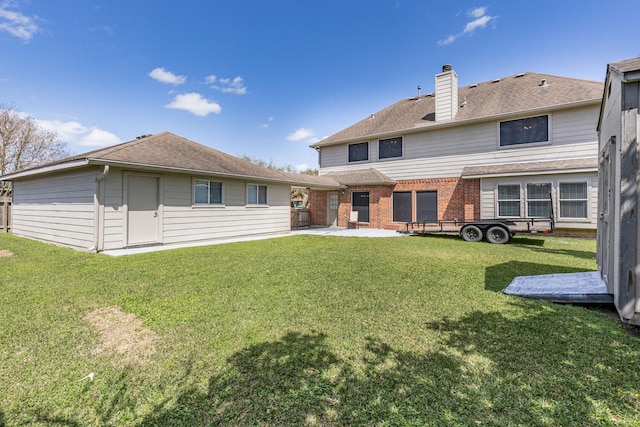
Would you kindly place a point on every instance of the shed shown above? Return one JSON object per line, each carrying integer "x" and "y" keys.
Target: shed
{"x": 154, "y": 190}
{"x": 618, "y": 202}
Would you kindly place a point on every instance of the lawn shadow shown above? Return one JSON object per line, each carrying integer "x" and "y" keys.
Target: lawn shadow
{"x": 486, "y": 368}
{"x": 537, "y": 245}
{"x": 498, "y": 277}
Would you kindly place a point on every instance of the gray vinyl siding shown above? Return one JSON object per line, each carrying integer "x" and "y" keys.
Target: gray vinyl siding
{"x": 184, "y": 222}
{"x": 489, "y": 203}
{"x": 113, "y": 217}
{"x": 56, "y": 208}
{"x": 445, "y": 152}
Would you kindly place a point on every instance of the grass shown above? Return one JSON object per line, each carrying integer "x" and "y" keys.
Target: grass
{"x": 308, "y": 330}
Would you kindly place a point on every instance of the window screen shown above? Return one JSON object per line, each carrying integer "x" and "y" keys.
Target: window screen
{"x": 524, "y": 131}
{"x": 427, "y": 206}
{"x": 359, "y": 152}
{"x": 402, "y": 206}
{"x": 389, "y": 148}
{"x": 360, "y": 204}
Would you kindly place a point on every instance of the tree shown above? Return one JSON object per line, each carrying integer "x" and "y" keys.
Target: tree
{"x": 296, "y": 192}
{"x": 24, "y": 143}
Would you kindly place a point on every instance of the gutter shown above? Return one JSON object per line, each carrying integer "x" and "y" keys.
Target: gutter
{"x": 158, "y": 168}
{"x": 455, "y": 123}
{"x": 46, "y": 169}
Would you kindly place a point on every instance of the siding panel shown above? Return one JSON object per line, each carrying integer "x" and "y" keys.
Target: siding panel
{"x": 56, "y": 208}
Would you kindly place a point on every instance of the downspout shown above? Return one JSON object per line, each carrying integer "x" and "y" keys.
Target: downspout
{"x": 97, "y": 196}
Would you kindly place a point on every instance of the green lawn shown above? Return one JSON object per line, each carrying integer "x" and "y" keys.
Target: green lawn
{"x": 307, "y": 330}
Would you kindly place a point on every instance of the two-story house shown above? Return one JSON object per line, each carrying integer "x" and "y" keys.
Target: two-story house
{"x": 522, "y": 146}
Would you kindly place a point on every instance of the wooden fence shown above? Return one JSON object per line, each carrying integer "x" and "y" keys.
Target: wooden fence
{"x": 5, "y": 206}
{"x": 300, "y": 218}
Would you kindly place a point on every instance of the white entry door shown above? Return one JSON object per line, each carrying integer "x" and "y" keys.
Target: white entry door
{"x": 142, "y": 214}
{"x": 332, "y": 209}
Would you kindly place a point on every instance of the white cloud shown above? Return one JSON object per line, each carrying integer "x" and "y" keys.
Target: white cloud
{"x": 479, "y": 20}
{"x": 302, "y": 134}
{"x": 301, "y": 167}
{"x": 76, "y": 134}
{"x": 266, "y": 125}
{"x": 17, "y": 24}
{"x": 477, "y": 12}
{"x": 164, "y": 76}
{"x": 195, "y": 104}
{"x": 226, "y": 85}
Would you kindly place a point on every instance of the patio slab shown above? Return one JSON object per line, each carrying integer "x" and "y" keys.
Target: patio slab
{"x": 321, "y": 231}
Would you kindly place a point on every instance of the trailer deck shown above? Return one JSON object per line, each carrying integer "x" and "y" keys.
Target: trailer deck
{"x": 499, "y": 230}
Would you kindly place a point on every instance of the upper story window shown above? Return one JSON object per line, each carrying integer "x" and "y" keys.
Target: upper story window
{"x": 390, "y": 148}
{"x": 207, "y": 192}
{"x": 359, "y": 152}
{"x": 256, "y": 194}
{"x": 524, "y": 131}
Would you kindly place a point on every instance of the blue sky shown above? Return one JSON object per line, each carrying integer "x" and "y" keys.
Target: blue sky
{"x": 266, "y": 78}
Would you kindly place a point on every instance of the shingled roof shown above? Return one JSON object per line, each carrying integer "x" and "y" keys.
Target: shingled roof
{"x": 508, "y": 96}
{"x": 169, "y": 152}
{"x": 627, "y": 65}
{"x": 587, "y": 164}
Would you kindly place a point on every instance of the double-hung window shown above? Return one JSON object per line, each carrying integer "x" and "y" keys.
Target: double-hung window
{"x": 390, "y": 148}
{"x": 207, "y": 192}
{"x": 539, "y": 200}
{"x": 256, "y": 194}
{"x": 573, "y": 200}
{"x": 509, "y": 200}
{"x": 524, "y": 131}
{"x": 359, "y": 152}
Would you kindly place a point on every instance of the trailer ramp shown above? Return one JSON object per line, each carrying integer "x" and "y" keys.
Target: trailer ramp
{"x": 585, "y": 287}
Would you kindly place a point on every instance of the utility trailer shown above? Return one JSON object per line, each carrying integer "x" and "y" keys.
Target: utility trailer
{"x": 498, "y": 231}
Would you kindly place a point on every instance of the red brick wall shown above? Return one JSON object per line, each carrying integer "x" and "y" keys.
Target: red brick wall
{"x": 457, "y": 199}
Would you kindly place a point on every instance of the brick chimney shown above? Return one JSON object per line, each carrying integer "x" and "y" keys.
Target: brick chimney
{"x": 446, "y": 94}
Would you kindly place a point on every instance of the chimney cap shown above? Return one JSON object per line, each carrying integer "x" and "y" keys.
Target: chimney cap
{"x": 446, "y": 67}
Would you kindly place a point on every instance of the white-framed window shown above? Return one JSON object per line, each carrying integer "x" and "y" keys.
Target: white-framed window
{"x": 390, "y": 148}
{"x": 359, "y": 152}
{"x": 509, "y": 200}
{"x": 207, "y": 192}
{"x": 539, "y": 200}
{"x": 573, "y": 200}
{"x": 256, "y": 194}
{"x": 529, "y": 130}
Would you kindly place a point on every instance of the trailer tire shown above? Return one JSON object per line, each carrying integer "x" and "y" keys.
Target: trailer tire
{"x": 471, "y": 233}
{"x": 498, "y": 235}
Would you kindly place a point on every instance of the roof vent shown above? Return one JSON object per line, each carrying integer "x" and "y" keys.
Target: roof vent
{"x": 495, "y": 81}
{"x": 473, "y": 85}
{"x": 543, "y": 83}
{"x": 144, "y": 136}
{"x": 520, "y": 75}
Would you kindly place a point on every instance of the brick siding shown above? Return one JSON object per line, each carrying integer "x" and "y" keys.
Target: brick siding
{"x": 457, "y": 199}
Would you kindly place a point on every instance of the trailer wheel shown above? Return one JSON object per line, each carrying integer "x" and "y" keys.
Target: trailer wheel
{"x": 471, "y": 233}
{"x": 497, "y": 235}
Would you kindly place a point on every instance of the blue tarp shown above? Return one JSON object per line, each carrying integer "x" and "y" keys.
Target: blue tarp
{"x": 567, "y": 287}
